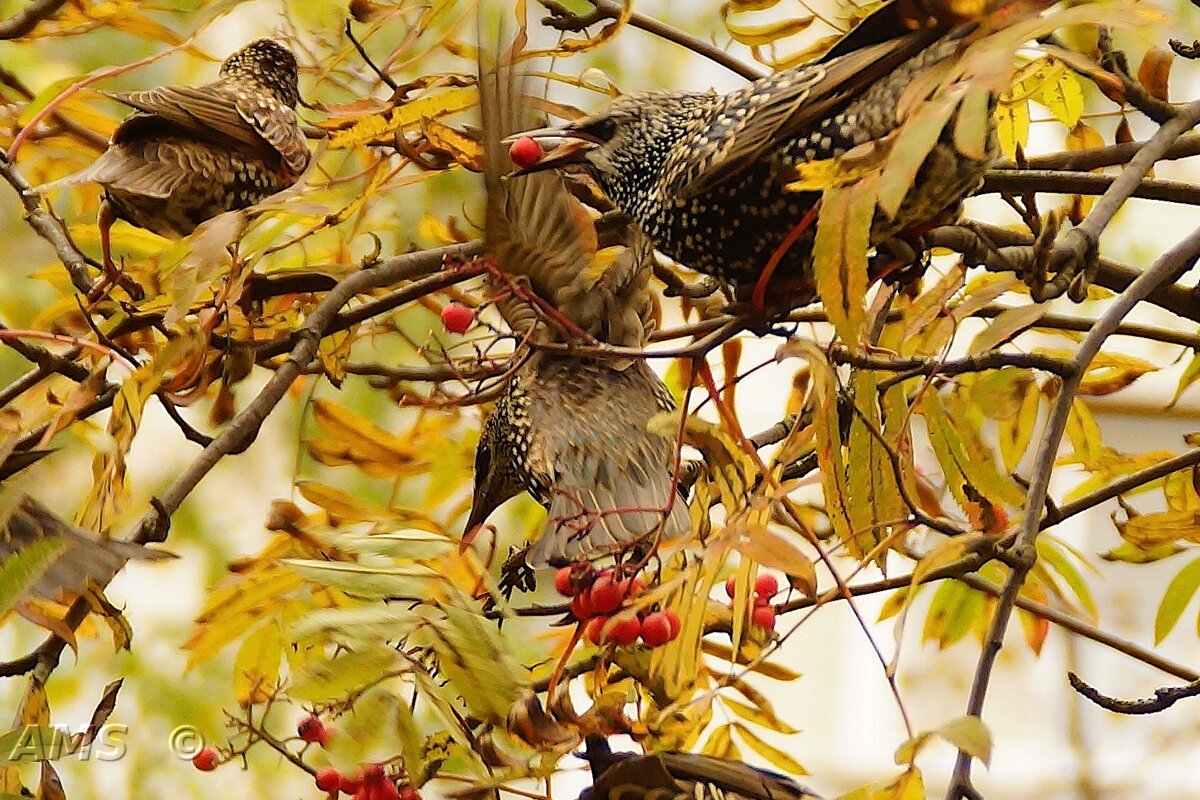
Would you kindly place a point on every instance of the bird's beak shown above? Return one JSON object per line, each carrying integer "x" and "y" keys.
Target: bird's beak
{"x": 565, "y": 145}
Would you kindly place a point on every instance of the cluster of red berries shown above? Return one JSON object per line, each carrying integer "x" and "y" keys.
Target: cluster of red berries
{"x": 597, "y": 599}
{"x": 765, "y": 587}
{"x": 371, "y": 784}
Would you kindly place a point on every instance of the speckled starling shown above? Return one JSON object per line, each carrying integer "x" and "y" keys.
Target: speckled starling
{"x": 676, "y": 776}
{"x": 191, "y": 153}
{"x": 572, "y": 431}
{"x": 705, "y": 174}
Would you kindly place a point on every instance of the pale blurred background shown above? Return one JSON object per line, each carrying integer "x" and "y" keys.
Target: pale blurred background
{"x": 1050, "y": 744}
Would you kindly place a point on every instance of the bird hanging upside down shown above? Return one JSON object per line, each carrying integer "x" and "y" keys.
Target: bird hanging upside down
{"x": 191, "y": 153}
{"x": 571, "y": 430}
{"x": 706, "y": 175}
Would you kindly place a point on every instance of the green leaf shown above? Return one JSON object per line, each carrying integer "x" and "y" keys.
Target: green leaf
{"x": 969, "y": 735}
{"x": 1179, "y": 593}
{"x": 24, "y": 567}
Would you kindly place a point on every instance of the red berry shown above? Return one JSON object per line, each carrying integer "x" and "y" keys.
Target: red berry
{"x": 409, "y": 793}
{"x": 731, "y": 586}
{"x": 766, "y": 585}
{"x": 593, "y": 629}
{"x": 656, "y": 629}
{"x": 350, "y": 784}
{"x": 676, "y": 623}
{"x": 632, "y": 587}
{"x": 605, "y": 595}
{"x": 311, "y": 729}
{"x": 457, "y": 318}
{"x": 329, "y": 779}
{"x": 764, "y": 617}
{"x": 207, "y": 759}
{"x": 562, "y": 582}
{"x": 581, "y": 606}
{"x": 525, "y": 152}
{"x": 624, "y": 630}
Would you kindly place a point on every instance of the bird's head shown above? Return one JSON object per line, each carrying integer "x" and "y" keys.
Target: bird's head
{"x": 622, "y": 147}
{"x": 267, "y": 63}
{"x": 495, "y": 476}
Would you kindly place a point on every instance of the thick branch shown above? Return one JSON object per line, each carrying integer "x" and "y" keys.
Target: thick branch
{"x": 1063, "y": 182}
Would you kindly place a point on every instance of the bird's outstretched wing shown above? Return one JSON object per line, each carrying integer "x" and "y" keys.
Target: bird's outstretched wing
{"x": 756, "y": 119}
{"x": 539, "y": 232}
{"x": 217, "y": 108}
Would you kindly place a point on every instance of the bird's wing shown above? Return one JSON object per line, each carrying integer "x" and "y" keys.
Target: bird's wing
{"x": 757, "y": 119}
{"x": 609, "y": 475}
{"x": 538, "y": 230}
{"x": 139, "y": 164}
{"x": 734, "y": 777}
{"x": 216, "y": 109}
{"x": 278, "y": 125}
{"x": 635, "y": 777}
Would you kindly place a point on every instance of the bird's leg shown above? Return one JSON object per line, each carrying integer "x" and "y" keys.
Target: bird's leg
{"x": 516, "y": 574}
{"x": 758, "y": 298}
{"x": 113, "y": 275}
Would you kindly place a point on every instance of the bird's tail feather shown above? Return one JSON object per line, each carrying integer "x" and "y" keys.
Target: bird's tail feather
{"x": 584, "y": 523}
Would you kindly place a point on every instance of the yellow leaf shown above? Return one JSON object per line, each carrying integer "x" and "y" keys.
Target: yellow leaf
{"x": 757, "y": 35}
{"x": 1012, "y": 124}
{"x": 774, "y": 756}
{"x": 353, "y": 439}
{"x": 1164, "y": 527}
{"x": 969, "y": 735}
{"x": 1062, "y": 94}
{"x": 256, "y": 668}
{"x": 1006, "y": 326}
{"x": 914, "y": 141}
{"x": 840, "y": 254}
{"x": 429, "y": 106}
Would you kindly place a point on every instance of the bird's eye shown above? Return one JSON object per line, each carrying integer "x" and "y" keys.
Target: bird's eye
{"x": 602, "y": 129}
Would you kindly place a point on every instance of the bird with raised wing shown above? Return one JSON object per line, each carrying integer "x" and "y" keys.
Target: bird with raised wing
{"x": 707, "y": 175}
{"x": 188, "y": 153}
{"x": 573, "y": 431}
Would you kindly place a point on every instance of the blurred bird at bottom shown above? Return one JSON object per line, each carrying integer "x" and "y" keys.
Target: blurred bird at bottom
{"x": 570, "y": 430}
{"x": 663, "y": 776}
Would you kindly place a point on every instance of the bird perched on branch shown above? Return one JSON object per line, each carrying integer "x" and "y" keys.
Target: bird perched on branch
{"x": 706, "y": 175}
{"x": 191, "y": 153}
{"x": 570, "y": 430}
{"x": 666, "y": 776}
